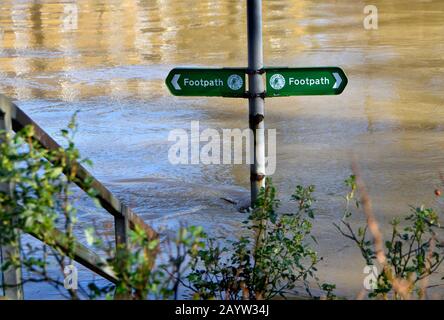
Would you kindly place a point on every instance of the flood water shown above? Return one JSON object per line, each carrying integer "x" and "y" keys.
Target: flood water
{"x": 109, "y": 59}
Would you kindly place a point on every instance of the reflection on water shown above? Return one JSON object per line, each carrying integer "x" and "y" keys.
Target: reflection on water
{"x": 109, "y": 59}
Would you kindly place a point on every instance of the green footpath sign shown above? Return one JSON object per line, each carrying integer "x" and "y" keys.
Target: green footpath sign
{"x": 305, "y": 81}
{"x": 225, "y": 82}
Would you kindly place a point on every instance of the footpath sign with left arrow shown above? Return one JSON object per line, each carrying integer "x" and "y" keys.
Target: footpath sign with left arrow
{"x": 224, "y": 82}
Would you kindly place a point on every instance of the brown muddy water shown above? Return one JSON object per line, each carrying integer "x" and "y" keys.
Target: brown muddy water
{"x": 109, "y": 60}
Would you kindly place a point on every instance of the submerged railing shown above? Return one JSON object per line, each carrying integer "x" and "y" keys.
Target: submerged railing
{"x": 12, "y": 118}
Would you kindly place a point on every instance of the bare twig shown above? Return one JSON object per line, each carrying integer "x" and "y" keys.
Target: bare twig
{"x": 368, "y": 211}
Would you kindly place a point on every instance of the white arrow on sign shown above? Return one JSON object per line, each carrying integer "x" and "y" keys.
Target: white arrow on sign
{"x": 175, "y": 82}
{"x": 338, "y": 80}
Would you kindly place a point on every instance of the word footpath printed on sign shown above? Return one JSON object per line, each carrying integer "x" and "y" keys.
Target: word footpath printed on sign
{"x": 305, "y": 81}
{"x": 223, "y": 82}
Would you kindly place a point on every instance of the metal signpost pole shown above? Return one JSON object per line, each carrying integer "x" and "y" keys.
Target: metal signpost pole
{"x": 256, "y": 95}
{"x": 280, "y": 82}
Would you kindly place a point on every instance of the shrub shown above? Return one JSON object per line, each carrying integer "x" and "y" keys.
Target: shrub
{"x": 38, "y": 201}
{"x": 270, "y": 260}
{"x": 407, "y": 260}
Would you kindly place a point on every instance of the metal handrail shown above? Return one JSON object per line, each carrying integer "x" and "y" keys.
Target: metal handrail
{"x": 12, "y": 118}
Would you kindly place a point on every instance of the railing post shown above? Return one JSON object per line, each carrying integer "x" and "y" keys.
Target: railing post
{"x": 11, "y": 277}
{"x": 122, "y": 227}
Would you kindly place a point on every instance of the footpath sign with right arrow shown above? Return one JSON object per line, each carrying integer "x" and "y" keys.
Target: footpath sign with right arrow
{"x": 305, "y": 81}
